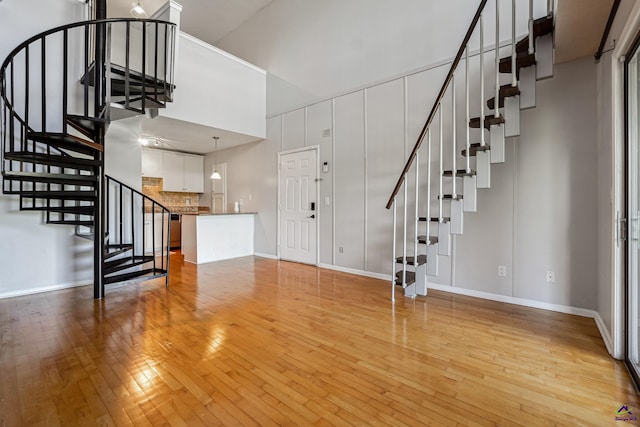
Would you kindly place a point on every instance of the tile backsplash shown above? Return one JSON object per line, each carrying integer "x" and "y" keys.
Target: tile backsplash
{"x": 176, "y": 202}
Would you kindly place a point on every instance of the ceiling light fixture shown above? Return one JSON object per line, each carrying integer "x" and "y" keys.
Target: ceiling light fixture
{"x": 143, "y": 141}
{"x": 215, "y": 174}
{"x": 138, "y": 12}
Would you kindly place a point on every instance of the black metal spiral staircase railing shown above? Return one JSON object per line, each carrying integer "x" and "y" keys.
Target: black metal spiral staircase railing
{"x": 59, "y": 91}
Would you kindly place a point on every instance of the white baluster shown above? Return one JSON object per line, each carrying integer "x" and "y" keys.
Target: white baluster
{"x": 531, "y": 41}
{"x": 482, "y": 116}
{"x": 393, "y": 269}
{"x": 497, "y": 103}
{"x": 467, "y": 112}
{"x": 417, "y": 215}
{"x": 514, "y": 54}
{"x": 453, "y": 131}
{"x": 404, "y": 237}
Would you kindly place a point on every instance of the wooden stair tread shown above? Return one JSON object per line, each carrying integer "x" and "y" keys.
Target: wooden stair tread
{"x": 475, "y": 148}
{"x": 410, "y": 278}
{"x": 86, "y": 125}
{"x": 60, "y": 195}
{"x": 68, "y": 162}
{"x": 434, "y": 219}
{"x": 506, "y": 91}
{"x": 523, "y": 60}
{"x": 489, "y": 120}
{"x": 459, "y": 173}
{"x": 51, "y": 178}
{"x": 146, "y": 274}
{"x": 423, "y": 240}
{"x": 66, "y": 142}
{"x": 411, "y": 260}
{"x": 450, "y": 197}
{"x": 541, "y": 27}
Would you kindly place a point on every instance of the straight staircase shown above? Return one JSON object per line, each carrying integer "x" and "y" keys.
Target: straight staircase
{"x": 59, "y": 93}
{"x": 460, "y": 149}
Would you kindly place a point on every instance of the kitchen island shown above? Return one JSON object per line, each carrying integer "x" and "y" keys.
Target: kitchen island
{"x": 216, "y": 237}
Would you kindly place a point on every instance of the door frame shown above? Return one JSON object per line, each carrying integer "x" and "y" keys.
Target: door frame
{"x": 315, "y": 148}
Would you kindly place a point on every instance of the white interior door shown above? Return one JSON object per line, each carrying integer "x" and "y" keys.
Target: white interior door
{"x": 298, "y": 213}
{"x": 219, "y": 190}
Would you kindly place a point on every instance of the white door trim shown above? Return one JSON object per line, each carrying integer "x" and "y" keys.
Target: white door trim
{"x": 315, "y": 148}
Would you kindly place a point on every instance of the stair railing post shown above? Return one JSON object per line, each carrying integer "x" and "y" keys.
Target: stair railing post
{"x": 440, "y": 192}
{"x": 404, "y": 237}
{"x": 531, "y": 45}
{"x": 497, "y": 103}
{"x": 393, "y": 266}
{"x": 99, "y": 103}
{"x": 514, "y": 54}
{"x": 454, "y": 134}
{"x": 417, "y": 213}
{"x": 467, "y": 111}
{"x": 428, "y": 240}
{"x": 482, "y": 116}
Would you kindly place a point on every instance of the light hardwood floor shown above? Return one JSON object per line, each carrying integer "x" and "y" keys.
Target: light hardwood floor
{"x": 259, "y": 342}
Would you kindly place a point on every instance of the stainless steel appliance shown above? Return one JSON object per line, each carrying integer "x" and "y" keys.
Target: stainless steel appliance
{"x": 176, "y": 231}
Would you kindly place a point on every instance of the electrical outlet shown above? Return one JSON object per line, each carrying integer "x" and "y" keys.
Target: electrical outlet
{"x": 502, "y": 271}
{"x": 326, "y": 201}
{"x": 550, "y": 276}
{"x": 340, "y": 249}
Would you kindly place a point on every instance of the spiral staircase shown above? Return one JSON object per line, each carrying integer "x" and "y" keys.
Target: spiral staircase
{"x": 60, "y": 90}
{"x": 494, "y": 82}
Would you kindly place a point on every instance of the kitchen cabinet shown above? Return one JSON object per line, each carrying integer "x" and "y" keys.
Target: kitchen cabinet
{"x": 182, "y": 172}
{"x": 152, "y": 163}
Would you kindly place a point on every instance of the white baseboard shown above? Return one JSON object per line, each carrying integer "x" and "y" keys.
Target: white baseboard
{"x": 263, "y": 255}
{"x": 604, "y": 333}
{"x": 33, "y": 291}
{"x": 517, "y": 301}
{"x": 356, "y": 272}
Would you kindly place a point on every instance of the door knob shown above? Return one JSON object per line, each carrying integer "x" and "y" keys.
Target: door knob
{"x": 312, "y": 216}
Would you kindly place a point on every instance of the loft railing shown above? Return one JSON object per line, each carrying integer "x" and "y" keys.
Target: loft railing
{"x": 39, "y": 79}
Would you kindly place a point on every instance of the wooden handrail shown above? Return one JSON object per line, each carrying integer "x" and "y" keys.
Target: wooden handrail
{"x": 434, "y": 110}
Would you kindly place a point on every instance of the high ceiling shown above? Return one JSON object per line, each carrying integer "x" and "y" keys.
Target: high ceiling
{"x": 208, "y": 20}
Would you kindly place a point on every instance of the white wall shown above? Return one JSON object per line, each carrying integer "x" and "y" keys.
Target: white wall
{"x": 215, "y": 89}
{"x": 35, "y": 256}
{"x": 540, "y": 214}
{"x": 317, "y": 49}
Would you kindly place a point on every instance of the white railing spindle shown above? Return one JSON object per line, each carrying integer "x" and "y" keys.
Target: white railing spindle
{"x": 417, "y": 213}
{"x": 429, "y": 188}
{"x": 441, "y": 195}
{"x": 404, "y": 237}
{"x": 482, "y": 116}
{"x": 497, "y": 103}
{"x": 454, "y": 133}
{"x": 514, "y": 54}
{"x": 531, "y": 46}
{"x": 393, "y": 267}
{"x": 467, "y": 112}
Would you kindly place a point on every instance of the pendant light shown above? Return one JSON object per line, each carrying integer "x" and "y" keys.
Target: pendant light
{"x": 138, "y": 12}
{"x": 215, "y": 174}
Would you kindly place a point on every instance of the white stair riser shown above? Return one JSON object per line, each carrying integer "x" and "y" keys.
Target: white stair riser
{"x": 421, "y": 279}
{"x": 544, "y": 57}
{"x": 432, "y": 260}
{"x": 497, "y": 144}
{"x": 470, "y": 193}
{"x": 444, "y": 239}
{"x": 410, "y": 291}
{"x": 483, "y": 166}
{"x": 528, "y": 87}
{"x": 512, "y": 116}
{"x": 457, "y": 217}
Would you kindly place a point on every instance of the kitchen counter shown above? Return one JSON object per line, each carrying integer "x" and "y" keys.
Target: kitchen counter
{"x": 216, "y": 237}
